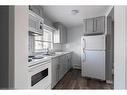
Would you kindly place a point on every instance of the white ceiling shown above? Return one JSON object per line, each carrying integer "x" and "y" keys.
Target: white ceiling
{"x": 63, "y": 13}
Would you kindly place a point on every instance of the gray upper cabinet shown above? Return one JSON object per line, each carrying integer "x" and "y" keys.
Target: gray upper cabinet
{"x": 94, "y": 26}
{"x": 89, "y": 26}
{"x": 64, "y": 35}
{"x": 100, "y": 24}
{"x": 60, "y": 36}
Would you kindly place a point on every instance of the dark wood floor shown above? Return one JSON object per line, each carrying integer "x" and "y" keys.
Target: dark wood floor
{"x": 73, "y": 80}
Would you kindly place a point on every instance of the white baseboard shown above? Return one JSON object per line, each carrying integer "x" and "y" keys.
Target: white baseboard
{"x": 77, "y": 67}
{"x": 109, "y": 81}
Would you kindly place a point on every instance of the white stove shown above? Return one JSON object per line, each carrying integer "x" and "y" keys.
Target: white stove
{"x": 40, "y": 75}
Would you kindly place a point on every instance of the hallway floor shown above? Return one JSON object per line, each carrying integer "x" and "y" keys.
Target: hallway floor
{"x": 73, "y": 80}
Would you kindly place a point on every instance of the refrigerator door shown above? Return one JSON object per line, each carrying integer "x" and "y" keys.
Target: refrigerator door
{"x": 93, "y": 64}
{"x": 93, "y": 42}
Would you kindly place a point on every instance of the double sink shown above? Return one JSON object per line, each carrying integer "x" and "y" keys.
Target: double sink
{"x": 41, "y": 58}
{"x": 31, "y": 58}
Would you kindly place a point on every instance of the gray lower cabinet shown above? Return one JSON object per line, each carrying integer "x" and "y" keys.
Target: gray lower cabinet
{"x": 64, "y": 64}
{"x": 61, "y": 69}
{"x": 94, "y": 26}
{"x": 60, "y": 66}
{"x": 69, "y": 64}
{"x": 55, "y": 71}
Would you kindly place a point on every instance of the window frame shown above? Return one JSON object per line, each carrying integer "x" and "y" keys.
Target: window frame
{"x": 49, "y": 29}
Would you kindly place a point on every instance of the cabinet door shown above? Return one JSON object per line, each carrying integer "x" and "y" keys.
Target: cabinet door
{"x": 61, "y": 67}
{"x": 65, "y": 63}
{"x": 94, "y": 25}
{"x": 89, "y": 26}
{"x": 55, "y": 71}
{"x": 53, "y": 74}
{"x": 63, "y": 35}
{"x": 56, "y": 36}
{"x": 70, "y": 57}
{"x": 100, "y": 24}
{"x": 68, "y": 62}
{"x": 60, "y": 36}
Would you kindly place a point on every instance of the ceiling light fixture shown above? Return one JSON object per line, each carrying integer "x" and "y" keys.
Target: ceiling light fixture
{"x": 74, "y": 12}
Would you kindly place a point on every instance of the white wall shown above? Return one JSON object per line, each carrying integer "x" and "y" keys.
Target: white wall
{"x": 119, "y": 47}
{"x": 74, "y": 43}
{"x": 126, "y": 48}
{"x": 21, "y": 47}
{"x": 57, "y": 47}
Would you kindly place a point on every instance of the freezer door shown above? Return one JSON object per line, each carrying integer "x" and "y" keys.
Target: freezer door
{"x": 93, "y": 42}
{"x": 93, "y": 64}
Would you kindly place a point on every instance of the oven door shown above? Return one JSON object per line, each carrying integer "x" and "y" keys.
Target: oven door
{"x": 40, "y": 76}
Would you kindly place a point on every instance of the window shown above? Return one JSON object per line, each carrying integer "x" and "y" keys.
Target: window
{"x": 38, "y": 43}
{"x": 47, "y": 39}
{"x": 43, "y": 42}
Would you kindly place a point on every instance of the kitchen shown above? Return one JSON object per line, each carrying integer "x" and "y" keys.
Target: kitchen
{"x": 57, "y": 39}
{"x": 65, "y": 47}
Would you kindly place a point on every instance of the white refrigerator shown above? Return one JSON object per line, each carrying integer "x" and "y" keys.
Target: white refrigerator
{"x": 93, "y": 56}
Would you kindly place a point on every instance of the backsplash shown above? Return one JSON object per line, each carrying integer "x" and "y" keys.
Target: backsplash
{"x": 31, "y": 44}
{"x": 57, "y": 47}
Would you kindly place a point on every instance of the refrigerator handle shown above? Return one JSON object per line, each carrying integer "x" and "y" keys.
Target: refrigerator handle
{"x": 84, "y": 56}
{"x": 83, "y": 50}
{"x": 84, "y": 41}
{"x": 84, "y": 45}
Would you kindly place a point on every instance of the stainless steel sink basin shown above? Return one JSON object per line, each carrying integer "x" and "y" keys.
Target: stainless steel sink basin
{"x": 38, "y": 57}
{"x": 34, "y": 57}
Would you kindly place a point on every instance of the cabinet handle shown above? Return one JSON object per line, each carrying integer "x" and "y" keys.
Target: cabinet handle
{"x": 84, "y": 41}
{"x": 96, "y": 26}
{"x": 84, "y": 46}
{"x": 83, "y": 50}
{"x": 86, "y": 26}
{"x": 93, "y": 25}
{"x": 84, "y": 56}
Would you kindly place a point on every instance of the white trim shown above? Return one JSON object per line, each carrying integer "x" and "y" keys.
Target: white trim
{"x": 108, "y": 11}
{"x": 119, "y": 47}
{"x": 49, "y": 27}
{"x": 35, "y": 15}
{"x": 109, "y": 81}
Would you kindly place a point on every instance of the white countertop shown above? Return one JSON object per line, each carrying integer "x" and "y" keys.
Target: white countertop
{"x": 46, "y": 58}
{"x": 59, "y": 54}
